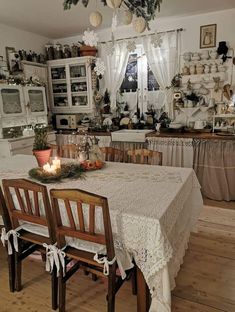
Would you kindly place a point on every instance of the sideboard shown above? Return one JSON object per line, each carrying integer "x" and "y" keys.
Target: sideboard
{"x": 21, "y": 145}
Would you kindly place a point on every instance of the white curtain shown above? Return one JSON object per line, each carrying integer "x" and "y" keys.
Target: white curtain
{"x": 115, "y": 59}
{"x": 164, "y": 62}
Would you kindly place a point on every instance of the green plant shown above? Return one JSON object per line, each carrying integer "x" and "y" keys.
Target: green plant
{"x": 40, "y": 140}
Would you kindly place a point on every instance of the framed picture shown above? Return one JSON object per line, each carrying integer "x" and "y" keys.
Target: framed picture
{"x": 208, "y": 36}
{"x": 13, "y": 60}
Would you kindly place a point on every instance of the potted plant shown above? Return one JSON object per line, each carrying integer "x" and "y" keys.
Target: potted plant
{"x": 41, "y": 149}
{"x": 86, "y": 50}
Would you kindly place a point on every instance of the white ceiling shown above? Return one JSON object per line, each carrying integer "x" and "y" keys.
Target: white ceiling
{"x": 47, "y": 17}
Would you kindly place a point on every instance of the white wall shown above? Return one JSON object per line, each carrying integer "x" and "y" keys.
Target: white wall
{"x": 20, "y": 39}
{"x": 225, "y": 21}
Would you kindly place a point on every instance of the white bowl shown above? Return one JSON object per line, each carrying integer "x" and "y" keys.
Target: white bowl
{"x": 175, "y": 125}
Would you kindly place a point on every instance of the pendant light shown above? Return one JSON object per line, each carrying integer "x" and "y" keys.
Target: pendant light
{"x": 95, "y": 19}
{"x": 114, "y": 4}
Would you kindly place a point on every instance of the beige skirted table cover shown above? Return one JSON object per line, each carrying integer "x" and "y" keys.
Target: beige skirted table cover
{"x": 214, "y": 164}
{"x": 153, "y": 209}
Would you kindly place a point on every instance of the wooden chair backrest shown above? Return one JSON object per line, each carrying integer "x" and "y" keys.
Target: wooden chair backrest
{"x": 112, "y": 154}
{"x": 144, "y": 156}
{"x": 68, "y": 151}
{"x": 78, "y": 230}
{"x": 28, "y": 204}
{"x": 4, "y": 212}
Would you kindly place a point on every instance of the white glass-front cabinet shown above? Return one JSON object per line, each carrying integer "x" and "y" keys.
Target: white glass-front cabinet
{"x": 29, "y": 103}
{"x": 12, "y": 101}
{"x": 70, "y": 85}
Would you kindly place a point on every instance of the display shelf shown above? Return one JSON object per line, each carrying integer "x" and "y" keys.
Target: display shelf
{"x": 54, "y": 81}
{"x": 224, "y": 116}
{"x": 204, "y": 78}
{"x": 221, "y": 116}
{"x": 189, "y": 112}
{"x": 77, "y": 72}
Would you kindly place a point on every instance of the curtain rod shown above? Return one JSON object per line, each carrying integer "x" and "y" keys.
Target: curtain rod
{"x": 135, "y": 37}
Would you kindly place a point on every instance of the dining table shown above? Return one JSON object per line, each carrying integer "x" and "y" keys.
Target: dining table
{"x": 153, "y": 210}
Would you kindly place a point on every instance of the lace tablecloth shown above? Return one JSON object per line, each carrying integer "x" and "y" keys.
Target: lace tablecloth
{"x": 152, "y": 208}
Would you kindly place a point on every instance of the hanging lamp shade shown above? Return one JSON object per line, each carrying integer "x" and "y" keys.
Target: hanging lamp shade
{"x": 114, "y": 4}
{"x": 95, "y": 19}
{"x": 139, "y": 24}
{"x": 127, "y": 17}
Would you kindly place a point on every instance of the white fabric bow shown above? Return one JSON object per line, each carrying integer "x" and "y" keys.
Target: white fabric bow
{"x": 104, "y": 261}
{"x": 5, "y": 236}
{"x": 54, "y": 256}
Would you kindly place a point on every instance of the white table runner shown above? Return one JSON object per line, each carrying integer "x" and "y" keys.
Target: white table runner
{"x": 152, "y": 208}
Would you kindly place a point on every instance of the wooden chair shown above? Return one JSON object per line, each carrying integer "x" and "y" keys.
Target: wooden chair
{"x": 29, "y": 202}
{"x": 68, "y": 151}
{"x": 112, "y": 154}
{"x": 8, "y": 227}
{"x": 85, "y": 260}
{"x": 144, "y": 156}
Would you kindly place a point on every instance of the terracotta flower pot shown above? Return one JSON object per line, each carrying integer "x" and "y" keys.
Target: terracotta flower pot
{"x": 42, "y": 157}
{"x": 87, "y": 51}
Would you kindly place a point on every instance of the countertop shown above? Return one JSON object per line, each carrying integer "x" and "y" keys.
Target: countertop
{"x": 194, "y": 135}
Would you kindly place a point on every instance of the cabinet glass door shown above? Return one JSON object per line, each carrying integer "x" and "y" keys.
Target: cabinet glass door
{"x": 36, "y": 101}
{"x": 11, "y": 101}
{"x": 58, "y": 73}
{"x": 59, "y": 86}
{"x": 77, "y": 71}
{"x": 79, "y": 100}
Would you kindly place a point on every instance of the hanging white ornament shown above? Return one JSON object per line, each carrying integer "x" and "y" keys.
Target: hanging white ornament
{"x": 99, "y": 67}
{"x": 114, "y": 4}
{"x": 95, "y": 19}
{"x": 90, "y": 38}
{"x": 127, "y": 17}
{"x": 139, "y": 24}
{"x": 156, "y": 41}
{"x": 131, "y": 46}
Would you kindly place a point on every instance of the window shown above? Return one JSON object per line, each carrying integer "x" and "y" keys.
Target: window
{"x": 138, "y": 74}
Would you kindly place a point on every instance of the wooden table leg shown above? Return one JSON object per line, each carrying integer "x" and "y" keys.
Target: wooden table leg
{"x": 143, "y": 294}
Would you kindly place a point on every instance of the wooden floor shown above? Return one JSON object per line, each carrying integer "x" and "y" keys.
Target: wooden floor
{"x": 206, "y": 282}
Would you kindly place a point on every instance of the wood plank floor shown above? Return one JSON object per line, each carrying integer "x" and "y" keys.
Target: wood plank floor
{"x": 205, "y": 283}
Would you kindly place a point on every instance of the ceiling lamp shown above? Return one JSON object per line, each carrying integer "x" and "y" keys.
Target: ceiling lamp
{"x": 139, "y": 24}
{"x": 127, "y": 17}
{"x": 142, "y": 9}
{"x": 114, "y": 4}
{"x": 95, "y": 19}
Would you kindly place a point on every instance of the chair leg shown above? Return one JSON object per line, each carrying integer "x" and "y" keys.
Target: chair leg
{"x": 94, "y": 277}
{"x": 43, "y": 256}
{"x": 111, "y": 288}
{"x": 62, "y": 294}
{"x": 54, "y": 289}
{"x": 18, "y": 271}
{"x": 134, "y": 281}
{"x": 11, "y": 268}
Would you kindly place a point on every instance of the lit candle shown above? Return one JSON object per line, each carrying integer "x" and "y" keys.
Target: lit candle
{"x": 56, "y": 163}
{"x": 46, "y": 167}
{"x": 49, "y": 169}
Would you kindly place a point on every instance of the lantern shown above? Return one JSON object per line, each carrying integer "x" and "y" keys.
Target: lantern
{"x": 96, "y": 19}
{"x": 114, "y": 4}
{"x": 139, "y": 24}
{"x": 127, "y": 17}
